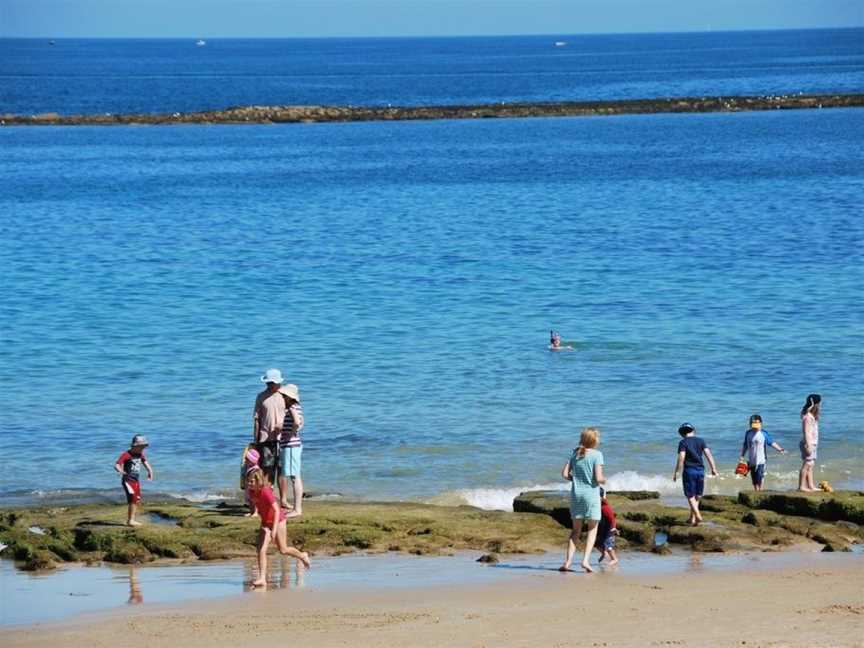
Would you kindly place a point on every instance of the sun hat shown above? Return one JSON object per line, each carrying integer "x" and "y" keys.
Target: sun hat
{"x": 272, "y": 376}
{"x": 252, "y": 459}
{"x": 291, "y": 391}
{"x": 139, "y": 441}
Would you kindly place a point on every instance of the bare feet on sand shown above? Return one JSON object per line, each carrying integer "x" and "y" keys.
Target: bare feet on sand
{"x": 587, "y": 568}
{"x": 292, "y": 513}
{"x": 304, "y": 558}
{"x": 133, "y": 523}
{"x": 261, "y": 582}
{"x": 565, "y": 568}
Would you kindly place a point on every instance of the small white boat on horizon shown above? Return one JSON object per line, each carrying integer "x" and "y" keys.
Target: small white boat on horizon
{"x": 200, "y": 43}
{"x": 560, "y": 43}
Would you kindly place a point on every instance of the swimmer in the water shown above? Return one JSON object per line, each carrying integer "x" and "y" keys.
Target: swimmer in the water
{"x": 555, "y": 342}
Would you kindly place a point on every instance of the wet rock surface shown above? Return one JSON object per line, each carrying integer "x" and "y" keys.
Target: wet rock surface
{"x": 767, "y": 521}
{"x": 96, "y": 532}
{"x": 315, "y": 114}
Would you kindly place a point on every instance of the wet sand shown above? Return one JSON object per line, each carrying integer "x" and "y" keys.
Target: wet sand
{"x": 812, "y": 601}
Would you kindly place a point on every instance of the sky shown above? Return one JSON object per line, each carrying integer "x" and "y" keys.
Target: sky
{"x": 376, "y": 18}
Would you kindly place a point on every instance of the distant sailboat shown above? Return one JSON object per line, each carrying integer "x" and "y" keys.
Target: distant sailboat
{"x": 200, "y": 43}
{"x": 560, "y": 43}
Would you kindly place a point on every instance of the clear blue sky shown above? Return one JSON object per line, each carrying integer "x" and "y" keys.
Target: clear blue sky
{"x": 310, "y": 18}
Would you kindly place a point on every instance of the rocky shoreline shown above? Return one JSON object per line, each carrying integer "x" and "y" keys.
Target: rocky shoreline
{"x": 40, "y": 538}
{"x": 765, "y": 521}
{"x": 316, "y": 114}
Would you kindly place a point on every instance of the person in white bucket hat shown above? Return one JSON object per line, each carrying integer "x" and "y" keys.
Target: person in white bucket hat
{"x": 267, "y": 419}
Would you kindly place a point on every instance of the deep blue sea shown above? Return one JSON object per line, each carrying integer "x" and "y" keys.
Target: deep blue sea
{"x": 406, "y": 275}
{"x": 97, "y": 76}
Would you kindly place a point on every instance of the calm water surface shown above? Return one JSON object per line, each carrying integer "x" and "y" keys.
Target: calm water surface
{"x": 406, "y": 276}
{"x": 96, "y": 76}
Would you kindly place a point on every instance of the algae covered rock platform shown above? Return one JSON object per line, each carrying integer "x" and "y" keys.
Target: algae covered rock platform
{"x": 766, "y": 521}
{"x": 42, "y": 537}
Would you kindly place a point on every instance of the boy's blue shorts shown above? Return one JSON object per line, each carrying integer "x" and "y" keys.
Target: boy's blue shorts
{"x": 757, "y": 474}
{"x": 290, "y": 461}
{"x": 693, "y": 480}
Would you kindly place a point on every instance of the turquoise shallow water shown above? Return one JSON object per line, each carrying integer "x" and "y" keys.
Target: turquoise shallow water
{"x": 406, "y": 276}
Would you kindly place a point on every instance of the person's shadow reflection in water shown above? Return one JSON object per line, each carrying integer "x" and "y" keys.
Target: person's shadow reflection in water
{"x": 285, "y": 573}
{"x": 280, "y": 579}
{"x": 135, "y": 596}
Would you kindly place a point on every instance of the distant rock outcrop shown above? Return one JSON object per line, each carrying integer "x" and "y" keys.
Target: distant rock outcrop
{"x": 313, "y": 114}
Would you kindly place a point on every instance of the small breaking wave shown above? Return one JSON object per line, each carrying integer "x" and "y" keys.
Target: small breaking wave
{"x": 490, "y": 499}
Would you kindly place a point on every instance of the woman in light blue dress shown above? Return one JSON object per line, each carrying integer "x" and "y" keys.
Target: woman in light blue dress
{"x": 584, "y": 471}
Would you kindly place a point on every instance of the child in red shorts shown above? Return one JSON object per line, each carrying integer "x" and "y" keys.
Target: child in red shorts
{"x": 272, "y": 523}
{"x": 129, "y": 466}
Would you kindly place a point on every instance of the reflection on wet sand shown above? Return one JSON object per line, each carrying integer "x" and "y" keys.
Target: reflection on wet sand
{"x": 279, "y": 576}
{"x": 135, "y": 596}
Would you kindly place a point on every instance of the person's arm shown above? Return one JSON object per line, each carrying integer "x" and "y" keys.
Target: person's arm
{"x": 744, "y": 447}
{"x": 774, "y": 444}
{"x": 298, "y": 420}
{"x": 679, "y": 465}
{"x": 118, "y": 465}
{"x": 711, "y": 463}
{"x": 599, "y": 477}
{"x": 255, "y": 425}
{"x": 565, "y": 472}
{"x": 149, "y": 468}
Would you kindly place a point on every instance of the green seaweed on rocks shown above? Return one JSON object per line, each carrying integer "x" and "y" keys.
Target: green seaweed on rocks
{"x": 743, "y": 523}
{"x": 96, "y": 532}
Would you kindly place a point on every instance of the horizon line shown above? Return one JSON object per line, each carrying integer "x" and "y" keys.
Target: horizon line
{"x": 501, "y": 35}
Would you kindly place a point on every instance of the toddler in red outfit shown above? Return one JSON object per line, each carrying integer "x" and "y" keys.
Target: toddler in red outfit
{"x": 607, "y": 530}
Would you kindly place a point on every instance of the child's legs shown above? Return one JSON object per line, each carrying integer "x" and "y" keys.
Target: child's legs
{"x": 589, "y": 541}
{"x": 613, "y": 557}
{"x": 263, "y": 544}
{"x": 286, "y": 549}
{"x": 298, "y": 493}
{"x": 283, "y": 490}
{"x": 757, "y": 476}
{"x": 130, "y": 512}
{"x": 810, "y": 466}
{"x": 293, "y": 460}
{"x": 693, "y": 503}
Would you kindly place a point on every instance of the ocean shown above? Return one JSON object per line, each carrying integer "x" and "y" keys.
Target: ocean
{"x": 406, "y": 275}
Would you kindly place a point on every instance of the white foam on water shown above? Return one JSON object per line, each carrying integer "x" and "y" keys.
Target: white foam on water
{"x": 491, "y": 499}
{"x": 630, "y": 480}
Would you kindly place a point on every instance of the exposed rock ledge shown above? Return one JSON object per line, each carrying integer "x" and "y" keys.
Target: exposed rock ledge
{"x": 766, "y": 521}
{"x": 310, "y": 114}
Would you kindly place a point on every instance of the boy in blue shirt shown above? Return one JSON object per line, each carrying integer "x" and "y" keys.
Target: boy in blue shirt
{"x": 756, "y": 441}
{"x": 690, "y": 451}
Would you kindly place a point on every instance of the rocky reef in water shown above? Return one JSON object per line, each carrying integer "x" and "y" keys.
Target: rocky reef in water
{"x": 313, "y": 114}
{"x": 765, "y": 521}
{"x": 40, "y": 538}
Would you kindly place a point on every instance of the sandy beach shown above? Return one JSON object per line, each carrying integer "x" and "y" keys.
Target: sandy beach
{"x": 811, "y": 603}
